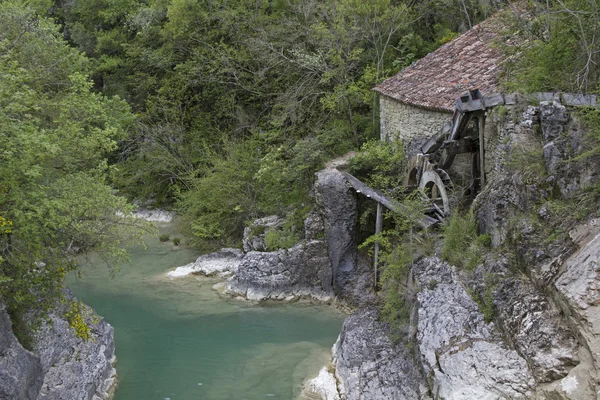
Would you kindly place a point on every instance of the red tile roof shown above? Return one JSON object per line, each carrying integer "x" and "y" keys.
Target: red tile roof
{"x": 438, "y": 79}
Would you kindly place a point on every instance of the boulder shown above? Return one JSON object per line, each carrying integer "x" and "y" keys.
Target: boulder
{"x": 221, "y": 263}
{"x": 287, "y": 274}
{"x": 339, "y": 212}
{"x": 322, "y": 387}
{"x": 154, "y": 215}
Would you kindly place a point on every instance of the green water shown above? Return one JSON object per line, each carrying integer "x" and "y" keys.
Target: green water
{"x": 178, "y": 339}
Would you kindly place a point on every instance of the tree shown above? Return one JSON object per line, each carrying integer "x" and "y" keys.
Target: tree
{"x": 54, "y": 139}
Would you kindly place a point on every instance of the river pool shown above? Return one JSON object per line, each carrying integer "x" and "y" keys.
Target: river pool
{"x": 178, "y": 340}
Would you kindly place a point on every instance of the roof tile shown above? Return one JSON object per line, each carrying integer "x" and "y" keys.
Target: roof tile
{"x": 438, "y": 79}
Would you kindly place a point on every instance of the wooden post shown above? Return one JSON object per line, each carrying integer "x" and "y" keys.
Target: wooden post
{"x": 482, "y": 151}
{"x": 378, "y": 227}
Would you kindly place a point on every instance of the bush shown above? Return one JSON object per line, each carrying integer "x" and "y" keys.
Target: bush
{"x": 559, "y": 51}
{"x": 176, "y": 241}
{"x": 277, "y": 239}
{"x": 462, "y": 245}
{"x": 164, "y": 238}
{"x": 380, "y": 164}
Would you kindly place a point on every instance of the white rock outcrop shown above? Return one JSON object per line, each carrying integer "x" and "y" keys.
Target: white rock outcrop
{"x": 154, "y": 215}
{"x": 322, "y": 387}
{"x": 460, "y": 351}
{"x": 221, "y": 263}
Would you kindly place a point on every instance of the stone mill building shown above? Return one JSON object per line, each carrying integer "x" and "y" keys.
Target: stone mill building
{"x": 416, "y": 102}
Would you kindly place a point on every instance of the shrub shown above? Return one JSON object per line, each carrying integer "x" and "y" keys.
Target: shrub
{"x": 277, "y": 239}
{"x": 379, "y": 164}
{"x": 462, "y": 245}
{"x": 176, "y": 241}
{"x": 164, "y": 238}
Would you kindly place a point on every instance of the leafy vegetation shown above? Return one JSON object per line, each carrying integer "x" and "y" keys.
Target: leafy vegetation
{"x": 463, "y": 246}
{"x": 528, "y": 162}
{"x": 559, "y": 47}
{"x": 240, "y": 102}
{"x": 380, "y": 165}
{"x": 55, "y": 137}
{"x": 399, "y": 247}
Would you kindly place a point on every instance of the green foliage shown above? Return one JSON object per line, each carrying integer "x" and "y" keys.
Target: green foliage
{"x": 55, "y": 138}
{"x": 486, "y": 302}
{"x": 379, "y": 164}
{"x": 559, "y": 51}
{"x": 399, "y": 246}
{"x": 290, "y": 233}
{"x": 528, "y": 162}
{"x": 223, "y": 198}
{"x": 590, "y": 118}
{"x": 77, "y": 316}
{"x": 164, "y": 237}
{"x": 176, "y": 241}
{"x": 463, "y": 246}
{"x": 433, "y": 284}
{"x": 279, "y": 239}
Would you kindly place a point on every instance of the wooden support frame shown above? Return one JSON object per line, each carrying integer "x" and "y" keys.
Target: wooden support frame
{"x": 481, "y": 130}
{"x": 378, "y": 228}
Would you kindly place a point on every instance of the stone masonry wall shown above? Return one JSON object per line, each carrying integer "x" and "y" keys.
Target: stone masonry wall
{"x": 401, "y": 121}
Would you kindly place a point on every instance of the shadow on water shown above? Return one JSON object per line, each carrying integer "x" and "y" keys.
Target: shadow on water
{"x": 178, "y": 339}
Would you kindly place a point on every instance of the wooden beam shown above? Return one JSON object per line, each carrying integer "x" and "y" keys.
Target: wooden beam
{"x": 482, "y": 151}
{"x": 424, "y": 220}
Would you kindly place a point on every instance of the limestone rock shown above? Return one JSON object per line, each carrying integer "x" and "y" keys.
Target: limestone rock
{"x": 254, "y": 235}
{"x": 314, "y": 226}
{"x": 536, "y": 329}
{"x": 369, "y": 367}
{"x": 222, "y": 263}
{"x": 154, "y": 215}
{"x": 462, "y": 354}
{"x": 578, "y": 284}
{"x": 339, "y": 212}
{"x": 322, "y": 387}
{"x": 290, "y": 274}
{"x": 554, "y": 116}
{"x": 20, "y": 370}
{"x": 73, "y": 368}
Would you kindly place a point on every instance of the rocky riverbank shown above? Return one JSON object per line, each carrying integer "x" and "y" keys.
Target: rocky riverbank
{"x": 322, "y": 267}
{"x": 522, "y": 325}
{"x": 62, "y": 365}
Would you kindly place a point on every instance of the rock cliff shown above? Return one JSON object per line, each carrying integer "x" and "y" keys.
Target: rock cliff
{"x": 61, "y": 366}
{"x": 538, "y": 337}
{"x": 324, "y": 265}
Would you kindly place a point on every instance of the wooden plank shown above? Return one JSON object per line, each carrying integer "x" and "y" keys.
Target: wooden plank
{"x": 493, "y": 101}
{"x": 437, "y": 140}
{"x": 482, "y": 151}
{"x": 473, "y": 105}
{"x": 569, "y": 99}
{"x": 425, "y": 221}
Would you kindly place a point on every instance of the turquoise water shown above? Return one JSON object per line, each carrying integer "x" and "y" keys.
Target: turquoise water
{"x": 178, "y": 339}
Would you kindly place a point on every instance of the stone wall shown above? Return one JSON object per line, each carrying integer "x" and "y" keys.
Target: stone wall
{"x": 401, "y": 121}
